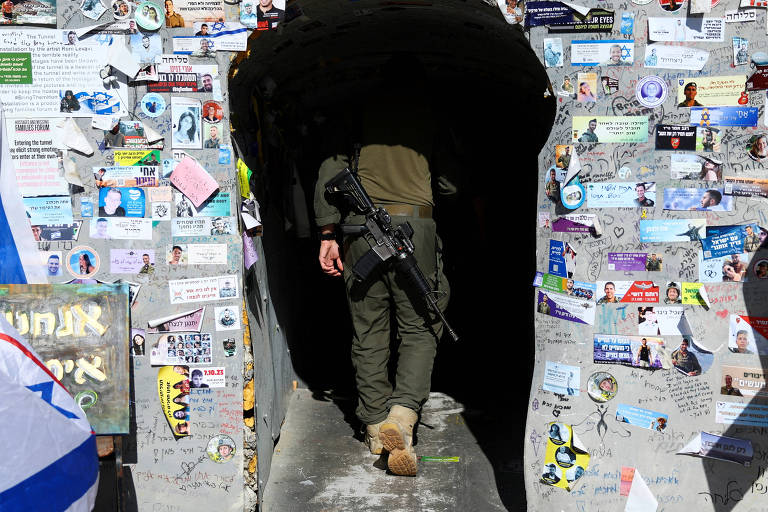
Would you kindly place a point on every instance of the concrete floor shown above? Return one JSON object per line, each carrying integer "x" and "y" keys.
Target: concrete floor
{"x": 321, "y": 465}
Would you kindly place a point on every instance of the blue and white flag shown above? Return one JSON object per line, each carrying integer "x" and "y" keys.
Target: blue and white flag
{"x": 49, "y": 451}
{"x": 18, "y": 250}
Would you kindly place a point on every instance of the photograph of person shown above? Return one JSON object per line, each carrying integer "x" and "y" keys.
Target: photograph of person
{"x": 739, "y": 344}
{"x": 585, "y": 93}
{"x": 728, "y": 388}
{"x": 137, "y": 344}
{"x": 220, "y": 226}
{"x": 226, "y": 288}
{"x": 761, "y": 269}
{"x": 610, "y": 294}
{"x": 685, "y": 361}
{"x": 710, "y": 201}
{"x": 212, "y": 141}
{"x": 99, "y": 229}
{"x": 642, "y": 200}
{"x": 589, "y": 134}
{"x": 196, "y": 380}
{"x": 673, "y": 294}
{"x": 146, "y": 47}
{"x": 69, "y": 103}
{"x": 83, "y": 263}
{"x": 213, "y": 111}
{"x": 186, "y": 132}
{"x": 690, "y": 91}
{"x": 616, "y": 58}
{"x": 550, "y": 475}
{"x": 653, "y": 262}
{"x": 644, "y": 355}
{"x": 176, "y": 256}
{"x": 172, "y": 18}
{"x": 708, "y": 137}
{"x": 711, "y": 170}
{"x": 758, "y": 149}
{"x": 268, "y": 14}
{"x": 543, "y": 306}
{"x": 567, "y": 86}
{"x": 111, "y": 206}
{"x": 53, "y": 265}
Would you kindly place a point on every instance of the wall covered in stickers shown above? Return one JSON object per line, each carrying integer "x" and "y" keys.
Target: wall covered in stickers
{"x": 650, "y": 303}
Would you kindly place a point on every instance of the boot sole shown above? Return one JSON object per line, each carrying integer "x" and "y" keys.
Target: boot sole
{"x": 391, "y": 436}
{"x": 402, "y": 462}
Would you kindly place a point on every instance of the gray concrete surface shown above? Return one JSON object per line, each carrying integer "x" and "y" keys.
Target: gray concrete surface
{"x": 321, "y": 465}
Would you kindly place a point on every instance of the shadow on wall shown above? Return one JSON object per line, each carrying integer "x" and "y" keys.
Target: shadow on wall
{"x": 729, "y": 483}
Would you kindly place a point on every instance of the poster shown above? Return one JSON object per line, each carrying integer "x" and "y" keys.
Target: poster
{"x": 185, "y": 321}
{"x": 81, "y": 333}
{"x": 744, "y": 381}
{"x": 196, "y": 254}
{"x": 121, "y": 202}
{"x": 748, "y": 335}
{"x": 203, "y": 226}
{"x": 611, "y": 52}
{"x": 686, "y": 29}
{"x": 672, "y": 230}
{"x": 32, "y": 146}
{"x": 562, "y": 259}
{"x": 621, "y": 195}
{"x": 565, "y": 458}
{"x": 729, "y": 268}
{"x": 638, "y": 351}
{"x": 640, "y": 417}
{"x": 706, "y": 91}
{"x": 131, "y": 261}
{"x": 562, "y": 17}
{"x": 715, "y": 446}
{"x": 121, "y": 228}
{"x": 745, "y": 187}
{"x": 185, "y": 349}
{"x": 209, "y": 377}
{"x": 231, "y": 36}
{"x": 727, "y": 240}
{"x": 610, "y": 129}
{"x": 697, "y": 199}
{"x": 182, "y": 291}
{"x": 48, "y": 210}
{"x": 126, "y": 176}
{"x": 724, "y": 116}
{"x": 634, "y": 261}
{"x": 187, "y": 121}
{"x": 736, "y": 413}
{"x": 562, "y": 379}
{"x": 659, "y": 55}
{"x": 193, "y": 11}
{"x": 662, "y": 321}
{"x": 566, "y": 307}
{"x": 173, "y": 389}
{"x": 627, "y": 291}
{"x": 557, "y": 284}
{"x": 686, "y": 166}
{"x": 675, "y": 137}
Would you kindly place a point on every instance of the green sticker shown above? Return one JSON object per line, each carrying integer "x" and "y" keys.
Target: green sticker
{"x": 15, "y": 68}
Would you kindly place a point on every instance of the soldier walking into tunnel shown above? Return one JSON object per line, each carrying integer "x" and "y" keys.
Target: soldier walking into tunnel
{"x": 396, "y": 141}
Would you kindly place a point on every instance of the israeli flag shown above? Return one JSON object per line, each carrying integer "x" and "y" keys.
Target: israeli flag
{"x": 19, "y": 256}
{"x": 49, "y": 451}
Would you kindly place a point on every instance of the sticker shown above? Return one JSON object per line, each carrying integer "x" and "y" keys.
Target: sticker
{"x": 138, "y": 342}
{"x": 56, "y": 232}
{"x": 209, "y": 377}
{"x": 640, "y": 417}
{"x": 227, "y": 318}
{"x": 690, "y": 359}
{"x": 160, "y": 194}
{"x": 126, "y": 176}
{"x": 121, "y": 202}
{"x": 204, "y": 226}
{"x": 221, "y": 449}
{"x": 566, "y": 307}
{"x": 735, "y": 413}
{"x": 153, "y": 104}
{"x": 131, "y": 157}
{"x": 203, "y": 289}
{"x": 121, "y": 9}
{"x": 748, "y": 335}
{"x": 759, "y": 79}
{"x": 695, "y": 167}
{"x": 675, "y": 137}
{"x": 739, "y": 381}
{"x": 149, "y": 16}
{"x": 708, "y": 139}
{"x": 145, "y": 48}
{"x": 565, "y": 285}
{"x": 651, "y": 91}
{"x": 686, "y": 293}
{"x": 758, "y": 147}
{"x": 709, "y": 91}
{"x": 86, "y": 399}
{"x": 627, "y": 23}
{"x": 573, "y": 194}
{"x": 177, "y": 322}
{"x": 740, "y": 51}
{"x": 587, "y": 90}
{"x": 661, "y": 321}
{"x": 724, "y": 116}
{"x": 195, "y": 46}
{"x": 188, "y": 349}
{"x": 562, "y": 259}
{"x": 725, "y": 240}
{"x": 610, "y": 85}
{"x": 86, "y": 207}
{"x": 562, "y": 379}
{"x": 121, "y": 228}
{"x": 577, "y": 223}
{"x": 672, "y": 230}
{"x": 562, "y": 17}
{"x": 566, "y": 87}
{"x": 48, "y": 210}
{"x": 636, "y": 351}
{"x": 719, "y": 447}
{"x": 83, "y": 261}
{"x": 634, "y": 261}
{"x": 746, "y": 187}
{"x": 230, "y": 347}
{"x": 231, "y": 37}
{"x": 553, "y": 52}
{"x": 729, "y": 268}
{"x": 602, "y": 387}
{"x": 212, "y": 136}
{"x": 611, "y": 52}
{"x": 681, "y": 30}
{"x": 740, "y": 16}
{"x": 621, "y": 195}
{"x": 698, "y": 199}
{"x": 186, "y": 123}
{"x": 173, "y": 388}
{"x": 610, "y": 129}
{"x": 92, "y": 9}
{"x": 671, "y": 5}
{"x": 674, "y": 57}
{"x": 213, "y": 112}
{"x": 565, "y": 458}
{"x": 627, "y": 291}
{"x": 132, "y": 261}
{"x": 51, "y": 260}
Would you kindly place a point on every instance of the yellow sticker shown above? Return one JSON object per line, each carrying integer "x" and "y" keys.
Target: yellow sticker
{"x": 565, "y": 460}
{"x": 243, "y": 179}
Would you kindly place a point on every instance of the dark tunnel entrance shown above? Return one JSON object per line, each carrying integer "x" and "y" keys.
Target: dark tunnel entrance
{"x": 291, "y": 100}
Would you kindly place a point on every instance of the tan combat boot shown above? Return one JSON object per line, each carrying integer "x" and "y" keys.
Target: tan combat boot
{"x": 372, "y": 440}
{"x": 396, "y": 434}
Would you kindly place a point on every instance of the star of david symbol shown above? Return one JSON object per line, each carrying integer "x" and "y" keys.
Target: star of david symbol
{"x": 704, "y": 117}
{"x": 218, "y": 26}
{"x": 625, "y": 52}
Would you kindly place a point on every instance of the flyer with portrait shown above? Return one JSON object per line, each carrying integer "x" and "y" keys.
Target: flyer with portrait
{"x": 173, "y": 389}
{"x": 565, "y": 458}
{"x": 711, "y": 91}
{"x": 611, "y": 52}
{"x": 627, "y": 291}
{"x": 637, "y": 351}
{"x": 640, "y": 417}
{"x": 610, "y": 129}
{"x": 748, "y": 334}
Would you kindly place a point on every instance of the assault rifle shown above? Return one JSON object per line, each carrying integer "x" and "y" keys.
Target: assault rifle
{"x": 387, "y": 243}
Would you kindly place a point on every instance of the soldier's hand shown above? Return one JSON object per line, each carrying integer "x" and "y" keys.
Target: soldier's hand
{"x": 329, "y": 258}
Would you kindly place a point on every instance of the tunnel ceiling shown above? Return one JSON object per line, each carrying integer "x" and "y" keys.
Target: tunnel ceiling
{"x": 335, "y": 47}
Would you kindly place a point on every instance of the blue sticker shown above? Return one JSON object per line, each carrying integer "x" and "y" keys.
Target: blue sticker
{"x": 225, "y": 155}
{"x": 153, "y": 104}
{"x": 724, "y": 116}
{"x": 573, "y": 194}
{"x": 121, "y": 202}
{"x": 86, "y": 207}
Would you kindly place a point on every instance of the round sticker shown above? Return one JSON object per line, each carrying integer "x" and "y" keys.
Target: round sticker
{"x": 149, "y": 16}
{"x": 565, "y": 457}
{"x": 651, "y": 91}
{"x": 212, "y": 112}
{"x": 86, "y": 399}
{"x": 671, "y": 5}
{"x": 641, "y": 2}
{"x": 761, "y": 269}
{"x": 221, "y": 448}
{"x": 153, "y": 104}
{"x": 559, "y": 433}
{"x": 83, "y": 261}
{"x": 121, "y": 9}
{"x": 602, "y": 387}
{"x": 573, "y": 194}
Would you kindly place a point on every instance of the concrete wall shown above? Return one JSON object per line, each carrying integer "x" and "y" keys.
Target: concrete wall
{"x": 677, "y": 482}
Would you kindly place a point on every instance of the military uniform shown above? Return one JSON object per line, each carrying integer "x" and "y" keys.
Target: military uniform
{"x": 174, "y": 20}
{"x": 751, "y": 243}
{"x": 397, "y": 177}
{"x": 588, "y": 136}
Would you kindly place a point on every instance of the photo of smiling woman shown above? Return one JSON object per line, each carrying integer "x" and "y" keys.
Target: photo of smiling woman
{"x": 187, "y": 120}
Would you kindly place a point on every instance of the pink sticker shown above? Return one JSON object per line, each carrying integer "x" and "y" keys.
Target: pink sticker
{"x": 193, "y": 181}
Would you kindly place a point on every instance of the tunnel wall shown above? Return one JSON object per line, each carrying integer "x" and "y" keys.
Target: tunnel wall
{"x": 564, "y": 348}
